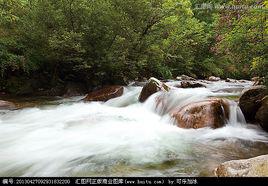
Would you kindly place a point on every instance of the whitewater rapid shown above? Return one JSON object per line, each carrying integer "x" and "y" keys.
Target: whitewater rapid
{"x": 123, "y": 137}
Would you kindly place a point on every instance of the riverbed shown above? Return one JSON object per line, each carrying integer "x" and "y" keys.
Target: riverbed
{"x": 122, "y": 137}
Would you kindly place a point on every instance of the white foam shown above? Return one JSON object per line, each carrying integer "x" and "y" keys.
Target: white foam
{"x": 82, "y": 138}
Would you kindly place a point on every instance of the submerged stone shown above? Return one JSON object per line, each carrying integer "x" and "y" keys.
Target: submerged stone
{"x": 105, "y": 93}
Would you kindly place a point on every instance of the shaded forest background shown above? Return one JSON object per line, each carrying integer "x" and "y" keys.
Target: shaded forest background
{"x": 48, "y": 43}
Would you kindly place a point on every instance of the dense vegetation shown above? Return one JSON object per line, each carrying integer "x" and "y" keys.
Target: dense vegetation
{"x": 47, "y": 43}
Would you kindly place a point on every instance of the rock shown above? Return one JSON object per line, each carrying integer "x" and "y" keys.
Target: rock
{"x": 74, "y": 89}
{"x": 254, "y": 167}
{"x": 105, "y": 93}
{"x": 6, "y": 105}
{"x": 243, "y": 81}
{"x": 258, "y": 81}
{"x": 213, "y": 78}
{"x": 185, "y": 78}
{"x": 255, "y": 79}
{"x": 250, "y": 101}
{"x": 205, "y": 82}
{"x": 229, "y": 80}
{"x": 151, "y": 87}
{"x": 208, "y": 113}
{"x": 262, "y": 114}
{"x": 191, "y": 84}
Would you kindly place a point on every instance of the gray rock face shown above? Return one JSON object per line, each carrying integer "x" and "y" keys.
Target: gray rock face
{"x": 254, "y": 167}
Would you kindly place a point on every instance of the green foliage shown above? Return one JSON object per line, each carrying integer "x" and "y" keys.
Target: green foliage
{"x": 240, "y": 37}
{"x": 114, "y": 41}
{"x": 259, "y": 67}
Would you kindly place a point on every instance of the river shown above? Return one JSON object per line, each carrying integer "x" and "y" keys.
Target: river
{"x": 122, "y": 137}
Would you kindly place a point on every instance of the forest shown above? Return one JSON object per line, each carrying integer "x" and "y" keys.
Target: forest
{"x": 45, "y": 44}
{"x": 132, "y": 89}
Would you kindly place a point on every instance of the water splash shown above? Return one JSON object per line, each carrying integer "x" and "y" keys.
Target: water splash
{"x": 236, "y": 116}
{"x": 121, "y": 138}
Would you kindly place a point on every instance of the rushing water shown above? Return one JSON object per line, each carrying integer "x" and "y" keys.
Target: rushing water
{"x": 123, "y": 137}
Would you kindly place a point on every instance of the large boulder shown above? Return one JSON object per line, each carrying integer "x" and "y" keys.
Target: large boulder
{"x": 262, "y": 114}
{"x": 212, "y": 113}
{"x": 6, "y": 105}
{"x": 254, "y": 167}
{"x": 105, "y": 93}
{"x": 151, "y": 87}
{"x": 191, "y": 84}
{"x": 213, "y": 78}
{"x": 251, "y": 101}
